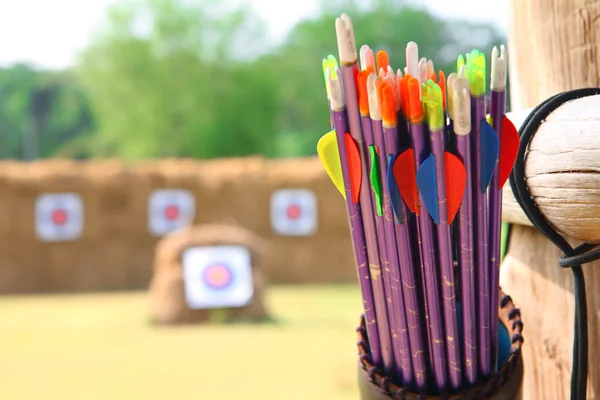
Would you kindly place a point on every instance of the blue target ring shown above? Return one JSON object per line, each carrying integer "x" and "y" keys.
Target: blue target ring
{"x": 218, "y": 276}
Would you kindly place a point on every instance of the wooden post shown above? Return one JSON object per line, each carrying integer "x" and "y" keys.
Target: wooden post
{"x": 553, "y": 47}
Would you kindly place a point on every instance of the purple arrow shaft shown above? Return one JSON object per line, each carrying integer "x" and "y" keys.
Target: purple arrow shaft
{"x": 358, "y": 242}
{"x": 407, "y": 280}
{"x": 498, "y": 109}
{"x": 349, "y": 74}
{"x": 399, "y": 347}
{"x": 428, "y": 266}
{"x": 481, "y": 238}
{"x": 446, "y": 263}
{"x": 396, "y": 290}
{"x": 465, "y": 264}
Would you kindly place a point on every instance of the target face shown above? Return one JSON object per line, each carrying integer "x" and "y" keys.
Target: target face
{"x": 58, "y": 217}
{"x": 217, "y": 277}
{"x": 294, "y": 212}
{"x": 170, "y": 210}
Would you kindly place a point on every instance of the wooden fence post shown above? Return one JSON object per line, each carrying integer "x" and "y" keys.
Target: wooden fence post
{"x": 553, "y": 47}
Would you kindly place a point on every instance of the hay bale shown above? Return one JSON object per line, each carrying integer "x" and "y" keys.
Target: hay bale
{"x": 167, "y": 295}
{"x": 324, "y": 257}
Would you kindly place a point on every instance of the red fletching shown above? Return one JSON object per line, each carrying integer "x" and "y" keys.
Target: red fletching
{"x": 406, "y": 179}
{"x": 456, "y": 182}
{"x": 354, "y": 167}
{"x": 509, "y": 147}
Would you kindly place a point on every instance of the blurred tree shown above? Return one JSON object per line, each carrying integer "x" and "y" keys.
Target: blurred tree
{"x": 170, "y": 78}
{"x": 41, "y": 112}
{"x": 201, "y": 79}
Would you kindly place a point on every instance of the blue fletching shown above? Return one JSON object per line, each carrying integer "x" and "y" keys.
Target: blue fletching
{"x": 427, "y": 182}
{"x": 395, "y": 197}
{"x": 490, "y": 147}
{"x": 504, "y": 346}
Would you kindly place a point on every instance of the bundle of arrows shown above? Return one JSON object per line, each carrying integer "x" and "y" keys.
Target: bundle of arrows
{"x": 421, "y": 166}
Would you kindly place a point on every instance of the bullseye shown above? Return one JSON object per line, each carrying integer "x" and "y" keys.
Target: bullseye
{"x": 218, "y": 276}
{"x": 294, "y": 212}
{"x": 59, "y": 217}
{"x": 171, "y": 212}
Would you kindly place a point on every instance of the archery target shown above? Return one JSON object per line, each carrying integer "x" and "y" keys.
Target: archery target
{"x": 217, "y": 277}
{"x": 58, "y": 217}
{"x": 170, "y": 210}
{"x": 294, "y": 212}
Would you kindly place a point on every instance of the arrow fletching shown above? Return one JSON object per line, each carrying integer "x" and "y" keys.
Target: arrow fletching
{"x": 354, "y": 167}
{"x": 427, "y": 182}
{"x": 376, "y": 180}
{"x": 328, "y": 151}
{"x": 489, "y": 154}
{"x": 395, "y": 197}
{"x": 509, "y": 147}
{"x": 456, "y": 182}
{"x": 404, "y": 172}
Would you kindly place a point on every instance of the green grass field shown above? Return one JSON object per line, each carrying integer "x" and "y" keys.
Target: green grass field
{"x": 103, "y": 346}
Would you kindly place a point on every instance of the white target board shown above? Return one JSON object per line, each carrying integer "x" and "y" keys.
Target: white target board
{"x": 217, "y": 277}
{"x": 170, "y": 210}
{"x": 294, "y": 212}
{"x": 58, "y": 217}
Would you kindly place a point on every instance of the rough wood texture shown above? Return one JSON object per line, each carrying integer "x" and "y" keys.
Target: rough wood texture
{"x": 544, "y": 293}
{"x": 554, "y": 47}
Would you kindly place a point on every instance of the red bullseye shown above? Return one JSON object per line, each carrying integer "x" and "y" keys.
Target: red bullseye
{"x": 217, "y": 276}
{"x": 294, "y": 212}
{"x": 59, "y": 217}
{"x": 171, "y": 213}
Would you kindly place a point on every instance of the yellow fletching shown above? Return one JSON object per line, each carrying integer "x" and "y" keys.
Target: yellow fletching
{"x": 328, "y": 151}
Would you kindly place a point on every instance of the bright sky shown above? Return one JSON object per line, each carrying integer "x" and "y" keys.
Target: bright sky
{"x": 51, "y": 33}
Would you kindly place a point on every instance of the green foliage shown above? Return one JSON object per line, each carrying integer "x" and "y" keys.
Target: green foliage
{"x": 41, "y": 112}
{"x": 175, "y": 78}
{"x": 177, "y": 90}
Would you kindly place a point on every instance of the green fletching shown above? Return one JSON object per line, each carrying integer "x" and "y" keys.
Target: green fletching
{"x": 325, "y": 68}
{"x": 432, "y": 98}
{"x": 332, "y": 66}
{"x": 476, "y": 72}
{"x": 376, "y": 180}
{"x": 459, "y": 63}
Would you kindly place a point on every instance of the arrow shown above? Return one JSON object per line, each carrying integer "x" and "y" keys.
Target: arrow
{"x": 489, "y": 154}
{"x": 406, "y": 179}
{"x": 456, "y": 181}
{"x": 354, "y": 166}
{"x": 509, "y": 147}
{"x": 375, "y": 176}
{"x": 395, "y": 197}
{"x": 427, "y": 183}
{"x": 327, "y": 149}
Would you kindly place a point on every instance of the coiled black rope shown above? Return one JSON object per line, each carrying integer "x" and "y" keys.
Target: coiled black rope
{"x": 572, "y": 257}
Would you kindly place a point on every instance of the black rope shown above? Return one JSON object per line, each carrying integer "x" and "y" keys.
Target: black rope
{"x": 572, "y": 257}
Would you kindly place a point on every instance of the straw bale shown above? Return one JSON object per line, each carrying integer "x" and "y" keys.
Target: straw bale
{"x": 305, "y": 260}
{"x": 323, "y": 257}
{"x": 116, "y": 248}
{"x": 117, "y": 201}
{"x": 22, "y": 184}
{"x": 308, "y": 173}
{"x": 82, "y": 266}
{"x": 166, "y": 292}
